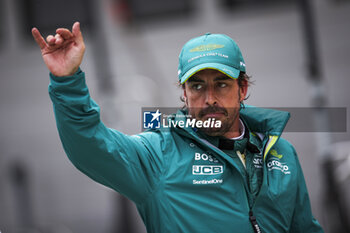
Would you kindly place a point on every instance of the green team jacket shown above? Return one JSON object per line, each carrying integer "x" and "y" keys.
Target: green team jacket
{"x": 181, "y": 182}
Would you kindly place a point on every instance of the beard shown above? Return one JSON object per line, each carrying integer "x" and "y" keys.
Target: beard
{"x": 229, "y": 117}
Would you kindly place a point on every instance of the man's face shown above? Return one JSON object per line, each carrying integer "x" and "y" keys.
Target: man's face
{"x": 212, "y": 94}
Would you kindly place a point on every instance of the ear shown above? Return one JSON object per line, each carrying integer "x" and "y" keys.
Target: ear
{"x": 185, "y": 95}
{"x": 183, "y": 86}
{"x": 243, "y": 90}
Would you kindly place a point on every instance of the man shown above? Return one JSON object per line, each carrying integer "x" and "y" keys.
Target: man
{"x": 237, "y": 177}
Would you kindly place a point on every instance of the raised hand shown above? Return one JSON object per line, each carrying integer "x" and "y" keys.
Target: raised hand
{"x": 63, "y": 52}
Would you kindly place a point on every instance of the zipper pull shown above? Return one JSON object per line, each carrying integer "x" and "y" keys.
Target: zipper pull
{"x": 254, "y": 223}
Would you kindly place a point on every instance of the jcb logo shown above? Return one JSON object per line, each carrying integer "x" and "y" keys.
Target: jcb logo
{"x": 206, "y": 170}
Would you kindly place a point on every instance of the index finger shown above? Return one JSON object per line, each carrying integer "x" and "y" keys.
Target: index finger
{"x": 38, "y": 38}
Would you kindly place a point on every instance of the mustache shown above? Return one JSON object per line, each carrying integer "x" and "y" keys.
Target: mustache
{"x": 212, "y": 109}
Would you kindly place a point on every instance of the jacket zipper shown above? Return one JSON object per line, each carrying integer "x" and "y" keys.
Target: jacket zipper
{"x": 254, "y": 223}
{"x": 252, "y": 218}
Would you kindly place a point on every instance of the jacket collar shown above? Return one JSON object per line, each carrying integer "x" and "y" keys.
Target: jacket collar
{"x": 264, "y": 121}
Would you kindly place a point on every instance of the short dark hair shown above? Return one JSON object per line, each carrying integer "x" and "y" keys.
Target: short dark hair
{"x": 243, "y": 77}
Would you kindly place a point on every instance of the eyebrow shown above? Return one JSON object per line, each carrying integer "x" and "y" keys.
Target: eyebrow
{"x": 195, "y": 79}
{"x": 223, "y": 77}
{"x": 218, "y": 78}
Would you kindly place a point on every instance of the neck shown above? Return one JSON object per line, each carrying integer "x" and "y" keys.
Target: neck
{"x": 235, "y": 131}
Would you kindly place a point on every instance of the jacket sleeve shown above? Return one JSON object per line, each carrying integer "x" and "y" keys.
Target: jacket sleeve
{"x": 124, "y": 163}
{"x": 303, "y": 220}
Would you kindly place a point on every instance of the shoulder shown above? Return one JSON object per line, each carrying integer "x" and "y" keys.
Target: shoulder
{"x": 155, "y": 139}
{"x": 285, "y": 153}
{"x": 285, "y": 146}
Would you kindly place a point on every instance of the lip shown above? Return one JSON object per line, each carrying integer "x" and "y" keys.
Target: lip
{"x": 214, "y": 115}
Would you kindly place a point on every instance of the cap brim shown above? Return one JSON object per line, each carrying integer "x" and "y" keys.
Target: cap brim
{"x": 228, "y": 70}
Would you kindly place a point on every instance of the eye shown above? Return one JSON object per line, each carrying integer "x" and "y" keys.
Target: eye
{"x": 197, "y": 86}
{"x": 222, "y": 85}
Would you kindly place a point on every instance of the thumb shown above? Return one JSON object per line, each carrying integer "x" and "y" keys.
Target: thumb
{"x": 77, "y": 33}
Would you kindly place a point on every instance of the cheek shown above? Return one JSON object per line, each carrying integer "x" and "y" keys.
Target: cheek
{"x": 233, "y": 111}
{"x": 194, "y": 100}
{"x": 230, "y": 100}
{"x": 191, "y": 103}
{"x": 194, "y": 105}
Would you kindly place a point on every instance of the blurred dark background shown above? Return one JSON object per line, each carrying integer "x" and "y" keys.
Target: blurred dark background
{"x": 131, "y": 62}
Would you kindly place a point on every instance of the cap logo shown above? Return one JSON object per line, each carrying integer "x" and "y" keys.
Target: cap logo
{"x": 208, "y": 47}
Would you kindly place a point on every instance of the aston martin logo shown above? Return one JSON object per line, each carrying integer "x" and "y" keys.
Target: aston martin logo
{"x": 207, "y": 47}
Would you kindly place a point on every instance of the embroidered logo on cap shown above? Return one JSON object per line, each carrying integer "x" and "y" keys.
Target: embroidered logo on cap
{"x": 207, "y": 47}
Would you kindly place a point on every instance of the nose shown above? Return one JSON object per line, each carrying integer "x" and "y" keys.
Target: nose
{"x": 210, "y": 97}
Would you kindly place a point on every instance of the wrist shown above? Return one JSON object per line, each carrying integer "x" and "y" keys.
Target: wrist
{"x": 74, "y": 71}
{"x": 70, "y": 74}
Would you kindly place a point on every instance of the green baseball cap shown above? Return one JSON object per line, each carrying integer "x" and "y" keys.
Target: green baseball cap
{"x": 210, "y": 51}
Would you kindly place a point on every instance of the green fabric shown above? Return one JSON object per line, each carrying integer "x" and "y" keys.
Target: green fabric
{"x": 179, "y": 181}
{"x": 210, "y": 51}
{"x": 252, "y": 173}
